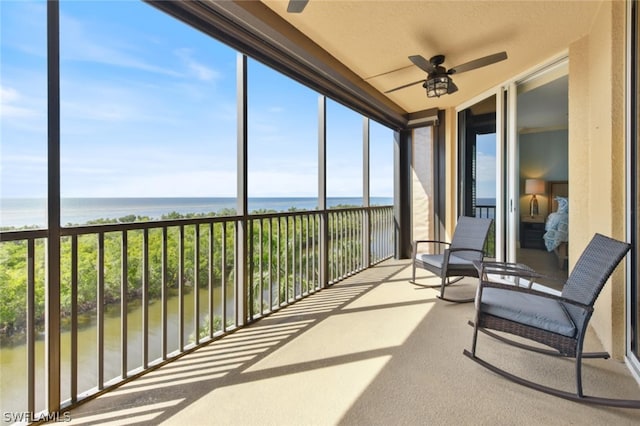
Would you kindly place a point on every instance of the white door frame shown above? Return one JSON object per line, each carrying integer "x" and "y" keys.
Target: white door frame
{"x": 512, "y": 172}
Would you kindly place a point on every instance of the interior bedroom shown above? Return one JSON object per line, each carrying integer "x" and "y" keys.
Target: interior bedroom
{"x": 543, "y": 231}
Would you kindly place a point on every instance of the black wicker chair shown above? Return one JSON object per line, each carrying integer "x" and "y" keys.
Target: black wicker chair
{"x": 558, "y": 322}
{"x": 467, "y": 246}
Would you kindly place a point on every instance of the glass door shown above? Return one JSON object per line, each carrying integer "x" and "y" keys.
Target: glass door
{"x": 537, "y": 169}
{"x": 479, "y": 134}
{"x": 518, "y": 133}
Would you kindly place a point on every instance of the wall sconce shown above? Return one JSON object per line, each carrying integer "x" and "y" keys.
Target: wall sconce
{"x": 533, "y": 187}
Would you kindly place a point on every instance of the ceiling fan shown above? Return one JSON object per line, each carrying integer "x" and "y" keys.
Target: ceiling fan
{"x": 296, "y": 6}
{"x": 438, "y": 82}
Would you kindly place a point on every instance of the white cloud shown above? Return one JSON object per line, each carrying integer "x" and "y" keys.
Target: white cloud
{"x": 14, "y": 105}
{"x": 79, "y": 44}
{"x": 198, "y": 69}
{"x": 25, "y": 159}
{"x": 8, "y": 94}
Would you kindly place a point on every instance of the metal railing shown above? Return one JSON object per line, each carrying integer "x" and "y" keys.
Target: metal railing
{"x": 137, "y": 295}
{"x": 486, "y": 211}
{"x": 489, "y": 211}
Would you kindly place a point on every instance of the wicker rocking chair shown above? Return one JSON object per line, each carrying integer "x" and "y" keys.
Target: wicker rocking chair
{"x": 558, "y": 322}
{"x": 466, "y": 247}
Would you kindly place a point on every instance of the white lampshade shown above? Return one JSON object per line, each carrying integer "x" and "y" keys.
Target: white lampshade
{"x": 534, "y": 186}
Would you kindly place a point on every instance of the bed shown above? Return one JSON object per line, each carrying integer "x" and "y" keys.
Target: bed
{"x": 556, "y": 236}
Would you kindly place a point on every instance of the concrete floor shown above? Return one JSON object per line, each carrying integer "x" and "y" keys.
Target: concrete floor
{"x": 371, "y": 350}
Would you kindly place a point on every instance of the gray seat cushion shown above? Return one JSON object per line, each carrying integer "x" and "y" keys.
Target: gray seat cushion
{"x": 535, "y": 311}
{"x": 437, "y": 259}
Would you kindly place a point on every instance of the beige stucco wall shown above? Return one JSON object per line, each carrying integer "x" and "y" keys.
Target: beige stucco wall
{"x": 422, "y": 184}
{"x": 596, "y": 156}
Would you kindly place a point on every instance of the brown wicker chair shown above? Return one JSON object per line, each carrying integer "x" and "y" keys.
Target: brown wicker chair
{"x": 467, "y": 246}
{"x": 558, "y": 322}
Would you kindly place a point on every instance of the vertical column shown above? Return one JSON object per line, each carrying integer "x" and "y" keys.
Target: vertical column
{"x": 440, "y": 176}
{"x": 402, "y": 193}
{"x": 242, "y": 281}
{"x": 52, "y": 287}
{"x": 423, "y": 177}
{"x": 366, "y": 192}
{"x": 323, "y": 245}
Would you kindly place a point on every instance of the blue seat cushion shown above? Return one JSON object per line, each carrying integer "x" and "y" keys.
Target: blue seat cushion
{"x": 529, "y": 309}
{"x": 437, "y": 259}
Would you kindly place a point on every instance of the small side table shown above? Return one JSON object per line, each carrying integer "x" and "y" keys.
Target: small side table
{"x": 531, "y": 232}
{"x": 506, "y": 269}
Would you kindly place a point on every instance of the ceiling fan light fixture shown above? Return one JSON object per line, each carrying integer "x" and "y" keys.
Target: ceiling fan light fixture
{"x": 437, "y": 86}
{"x": 438, "y": 82}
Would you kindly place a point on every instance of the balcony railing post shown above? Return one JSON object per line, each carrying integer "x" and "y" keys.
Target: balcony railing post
{"x": 242, "y": 281}
{"x": 196, "y": 283}
{"x": 251, "y": 269}
{"x": 30, "y": 327}
{"x": 323, "y": 248}
{"x": 100, "y": 307}
{"x": 181, "y": 288}
{"x": 366, "y": 238}
{"x": 124, "y": 303}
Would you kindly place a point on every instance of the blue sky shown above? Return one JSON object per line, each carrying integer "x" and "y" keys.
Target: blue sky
{"x": 486, "y": 166}
{"x": 148, "y": 108}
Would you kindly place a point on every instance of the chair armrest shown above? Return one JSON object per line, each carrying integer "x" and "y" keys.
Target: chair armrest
{"x": 448, "y": 252}
{"x": 453, "y": 250}
{"x": 417, "y": 242}
{"x": 508, "y": 287}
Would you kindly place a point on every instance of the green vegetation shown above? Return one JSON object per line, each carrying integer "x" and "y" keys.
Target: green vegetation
{"x": 280, "y": 250}
{"x": 490, "y": 245}
{"x": 13, "y": 276}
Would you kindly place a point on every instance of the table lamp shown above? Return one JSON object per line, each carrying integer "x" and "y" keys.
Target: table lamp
{"x": 533, "y": 187}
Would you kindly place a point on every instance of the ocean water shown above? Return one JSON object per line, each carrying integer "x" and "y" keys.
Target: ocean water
{"x": 486, "y": 201}
{"x": 20, "y": 212}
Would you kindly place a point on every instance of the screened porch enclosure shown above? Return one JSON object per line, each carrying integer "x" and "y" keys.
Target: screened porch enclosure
{"x": 94, "y": 304}
{"x": 235, "y": 100}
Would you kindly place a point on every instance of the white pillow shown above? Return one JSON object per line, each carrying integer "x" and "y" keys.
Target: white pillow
{"x": 563, "y": 204}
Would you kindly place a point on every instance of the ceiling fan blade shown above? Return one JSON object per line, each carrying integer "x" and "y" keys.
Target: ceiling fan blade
{"x": 405, "y": 85}
{"x": 478, "y": 63}
{"x": 296, "y": 6}
{"x": 422, "y": 63}
{"x": 452, "y": 87}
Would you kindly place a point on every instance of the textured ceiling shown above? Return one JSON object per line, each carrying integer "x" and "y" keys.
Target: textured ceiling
{"x": 375, "y": 38}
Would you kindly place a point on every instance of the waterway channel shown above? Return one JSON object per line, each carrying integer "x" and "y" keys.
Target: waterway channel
{"x": 13, "y": 359}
